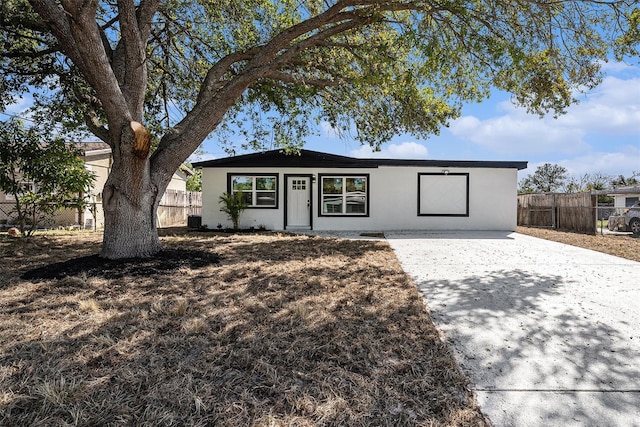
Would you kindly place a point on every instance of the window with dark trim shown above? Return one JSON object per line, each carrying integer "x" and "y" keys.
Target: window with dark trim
{"x": 258, "y": 190}
{"x": 344, "y": 195}
{"x": 630, "y": 201}
{"x": 443, "y": 194}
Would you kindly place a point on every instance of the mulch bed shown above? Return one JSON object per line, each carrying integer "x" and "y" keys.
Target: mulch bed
{"x": 166, "y": 261}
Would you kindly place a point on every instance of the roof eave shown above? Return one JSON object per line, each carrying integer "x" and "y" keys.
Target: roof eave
{"x": 308, "y": 158}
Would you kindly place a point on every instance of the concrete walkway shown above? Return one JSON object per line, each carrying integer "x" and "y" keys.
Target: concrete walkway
{"x": 548, "y": 333}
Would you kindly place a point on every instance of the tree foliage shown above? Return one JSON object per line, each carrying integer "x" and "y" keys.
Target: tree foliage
{"x": 194, "y": 182}
{"x": 42, "y": 177}
{"x": 622, "y": 181}
{"x": 370, "y": 69}
{"x": 591, "y": 182}
{"x": 400, "y": 66}
{"x": 547, "y": 178}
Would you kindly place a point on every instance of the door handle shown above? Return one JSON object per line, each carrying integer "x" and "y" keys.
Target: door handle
{"x": 308, "y": 203}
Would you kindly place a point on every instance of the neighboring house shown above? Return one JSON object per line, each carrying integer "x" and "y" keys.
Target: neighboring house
{"x": 624, "y": 197}
{"x": 323, "y": 191}
{"x": 97, "y": 158}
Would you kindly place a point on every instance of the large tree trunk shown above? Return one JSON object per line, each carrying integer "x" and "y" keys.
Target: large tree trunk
{"x": 129, "y": 226}
{"x": 130, "y": 198}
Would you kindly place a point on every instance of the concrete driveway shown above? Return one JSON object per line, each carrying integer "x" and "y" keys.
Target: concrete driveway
{"x": 548, "y": 333}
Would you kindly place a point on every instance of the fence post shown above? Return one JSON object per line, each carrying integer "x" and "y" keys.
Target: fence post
{"x": 554, "y": 219}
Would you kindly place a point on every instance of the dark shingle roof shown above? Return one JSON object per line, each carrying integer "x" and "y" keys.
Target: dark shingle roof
{"x": 308, "y": 158}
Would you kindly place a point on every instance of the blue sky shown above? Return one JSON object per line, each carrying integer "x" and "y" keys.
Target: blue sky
{"x": 599, "y": 134}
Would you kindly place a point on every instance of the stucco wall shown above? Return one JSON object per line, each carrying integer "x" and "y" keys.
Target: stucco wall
{"x": 100, "y": 165}
{"x": 178, "y": 181}
{"x": 621, "y": 199}
{"x": 393, "y": 203}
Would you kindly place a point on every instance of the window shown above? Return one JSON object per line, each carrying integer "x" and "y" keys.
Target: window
{"x": 259, "y": 191}
{"x": 630, "y": 201}
{"x": 298, "y": 184}
{"x": 344, "y": 195}
{"x": 443, "y": 194}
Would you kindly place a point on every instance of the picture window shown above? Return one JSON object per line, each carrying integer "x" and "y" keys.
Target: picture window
{"x": 346, "y": 195}
{"x": 258, "y": 191}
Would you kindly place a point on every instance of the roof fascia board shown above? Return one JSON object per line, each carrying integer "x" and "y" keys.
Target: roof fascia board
{"x": 91, "y": 153}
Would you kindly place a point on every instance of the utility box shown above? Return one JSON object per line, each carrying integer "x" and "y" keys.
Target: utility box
{"x": 194, "y": 221}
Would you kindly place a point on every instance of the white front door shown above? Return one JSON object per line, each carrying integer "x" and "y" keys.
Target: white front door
{"x": 298, "y": 202}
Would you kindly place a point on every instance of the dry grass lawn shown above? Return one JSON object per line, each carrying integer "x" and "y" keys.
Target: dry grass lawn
{"x": 284, "y": 331}
{"x": 624, "y": 246}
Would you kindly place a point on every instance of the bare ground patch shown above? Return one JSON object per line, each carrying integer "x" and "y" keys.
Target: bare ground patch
{"x": 275, "y": 330}
{"x": 624, "y": 246}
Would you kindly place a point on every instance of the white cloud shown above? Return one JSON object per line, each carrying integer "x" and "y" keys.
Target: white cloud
{"x": 518, "y": 132}
{"x": 612, "y": 109}
{"x": 615, "y": 67}
{"x": 329, "y": 131}
{"x": 612, "y": 163}
{"x": 19, "y": 107}
{"x": 404, "y": 150}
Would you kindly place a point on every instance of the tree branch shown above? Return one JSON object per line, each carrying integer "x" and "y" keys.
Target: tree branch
{"x": 146, "y": 11}
{"x": 91, "y": 119}
{"x": 32, "y": 55}
{"x": 55, "y": 18}
{"x": 215, "y": 73}
{"x": 133, "y": 49}
{"x": 290, "y": 78}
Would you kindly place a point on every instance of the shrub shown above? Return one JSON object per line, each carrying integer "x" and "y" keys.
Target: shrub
{"x": 233, "y": 205}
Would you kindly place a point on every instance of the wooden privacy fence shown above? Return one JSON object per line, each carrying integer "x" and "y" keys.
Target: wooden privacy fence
{"x": 176, "y": 206}
{"x": 173, "y": 210}
{"x": 570, "y": 212}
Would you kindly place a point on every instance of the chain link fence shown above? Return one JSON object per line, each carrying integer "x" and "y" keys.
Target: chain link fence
{"x": 66, "y": 217}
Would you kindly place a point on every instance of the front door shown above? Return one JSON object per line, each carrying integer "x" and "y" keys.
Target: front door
{"x": 298, "y": 202}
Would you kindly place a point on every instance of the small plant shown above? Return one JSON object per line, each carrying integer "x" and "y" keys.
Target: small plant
{"x": 179, "y": 308}
{"x": 233, "y": 204}
{"x": 90, "y": 305}
{"x": 58, "y": 392}
{"x": 219, "y": 226}
{"x": 194, "y": 326}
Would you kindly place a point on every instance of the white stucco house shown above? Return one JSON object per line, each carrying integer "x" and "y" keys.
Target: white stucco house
{"x": 624, "y": 197}
{"x": 321, "y": 191}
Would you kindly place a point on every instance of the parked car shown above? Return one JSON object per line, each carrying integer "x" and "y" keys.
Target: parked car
{"x": 632, "y": 218}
